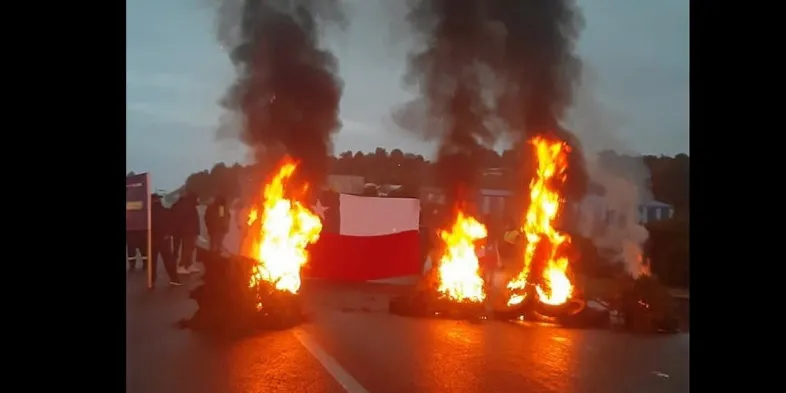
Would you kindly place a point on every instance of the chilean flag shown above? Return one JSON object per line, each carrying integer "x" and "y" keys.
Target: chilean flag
{"x": 365, "y": 238}
{"x": 362, "y": 238}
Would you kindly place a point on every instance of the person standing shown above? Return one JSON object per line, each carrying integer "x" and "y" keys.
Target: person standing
{"x": 217, "y": 222}
{"x": 187, "y": 218}
{"x": 160, "y": 237}
{"x": 136, "y": 240}
{"x": 177, "y": 237}
{"x": 507, "y": 246}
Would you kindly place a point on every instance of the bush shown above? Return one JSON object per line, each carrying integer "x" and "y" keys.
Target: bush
{"x": 669, "y": 250}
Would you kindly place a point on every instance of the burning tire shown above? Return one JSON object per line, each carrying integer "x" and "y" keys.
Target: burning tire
{"x": 260, "y": 289}
{"x": 569, "y": 308}
{"x": 431, "y": 305}
{"x": 647, "y": 307}
{"x": 454, "y": 287}
{"x": 228, "y": 306}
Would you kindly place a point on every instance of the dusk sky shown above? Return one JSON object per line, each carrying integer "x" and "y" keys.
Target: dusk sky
{"x": 635, "y": 95}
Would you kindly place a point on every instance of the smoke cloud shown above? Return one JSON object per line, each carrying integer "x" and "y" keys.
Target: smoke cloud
{"x": 287, "y": 89}
{"x": 609, "y": 216}
{"x": 515, "y": 61}
{"x": 482, "y": 61}
{"x": 449, "y": 71}
{"x": 541, "y": 71}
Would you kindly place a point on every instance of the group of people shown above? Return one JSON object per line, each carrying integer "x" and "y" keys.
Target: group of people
{"x": 499, "y": 248}
{"x": 174, "y": 234}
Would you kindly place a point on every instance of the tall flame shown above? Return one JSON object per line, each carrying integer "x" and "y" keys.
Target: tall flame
{"x": 543, "y": 240}
{"x": 285, "y": 230}
{"x": 459, "y": 276}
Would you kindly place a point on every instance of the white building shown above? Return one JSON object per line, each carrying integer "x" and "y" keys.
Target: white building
{"x": 654, "y": 210}
{"x": 597, "y": 211}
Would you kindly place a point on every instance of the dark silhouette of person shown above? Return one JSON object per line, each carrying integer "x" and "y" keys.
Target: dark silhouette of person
{"x": 177, "y": 237}
{"x": 187, "y": 218}
{"x": 217, "y": 222}
{"x": 507, "y": 244}
{"x": 487, "y": 253}
{"x": 160, "y": 237}
{"x": 136, "y": 240}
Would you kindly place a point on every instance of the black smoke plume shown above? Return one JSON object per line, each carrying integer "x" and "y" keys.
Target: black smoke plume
{"x": 449, "y": 72}
{"x": 287, "y": 90}
{"x": 541, "y": 70}
{"x": 526, "y": 48}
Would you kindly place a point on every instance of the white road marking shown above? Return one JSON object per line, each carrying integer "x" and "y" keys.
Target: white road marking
{"x": 660, "y": 374}
{"x": 349, "y": 383}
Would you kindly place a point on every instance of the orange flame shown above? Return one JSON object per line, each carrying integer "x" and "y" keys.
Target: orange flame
{"x": 286, "y": 228}
{"x": 552, "y": 286}
{"x": 459, "y": 276}
{"x": 645, "y": 266}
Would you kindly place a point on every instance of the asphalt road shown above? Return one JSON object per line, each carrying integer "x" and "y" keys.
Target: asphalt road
{"x": 351, "y": 344}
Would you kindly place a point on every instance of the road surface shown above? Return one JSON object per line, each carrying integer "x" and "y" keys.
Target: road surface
{"x": 351, "y": 344}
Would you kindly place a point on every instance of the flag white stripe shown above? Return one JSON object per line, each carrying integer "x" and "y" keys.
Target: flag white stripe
{"x": 370, "y": 216}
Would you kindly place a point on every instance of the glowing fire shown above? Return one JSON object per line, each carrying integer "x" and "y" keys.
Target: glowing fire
{"x": 459, "y": 277}
{"x": 543, "y": 240}
{"x": 644, "y": 267}
{"x": 286, "y": 227}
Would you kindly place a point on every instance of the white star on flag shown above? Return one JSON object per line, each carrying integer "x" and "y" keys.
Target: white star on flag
{"x": 320, "y": 209}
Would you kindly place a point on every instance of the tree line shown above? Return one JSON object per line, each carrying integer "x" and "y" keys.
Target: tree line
{"x": 668, "y": 177}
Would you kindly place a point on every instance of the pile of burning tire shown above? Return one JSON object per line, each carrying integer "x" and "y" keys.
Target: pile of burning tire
{"x": 646, "y": 306}
{"x": 228, "y": 305}
{"x": 640, "y": 306}
{"x": 240, "y": 293}
{"x": 425, "y": 303}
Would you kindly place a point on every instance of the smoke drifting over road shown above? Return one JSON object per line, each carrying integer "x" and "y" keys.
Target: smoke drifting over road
{"x": 287, "y": 89}
{"x": 610, "y": 215}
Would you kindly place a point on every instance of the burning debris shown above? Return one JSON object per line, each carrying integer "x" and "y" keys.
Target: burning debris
{"x": 644, "y": 305}
{"x": 459, "y": 276}
{"x": 544, "y": 276}
{"x": 285, "y": 97}
{"x": 509, "y": 62}
{"x": 260, "y": 289}
{"x": 454, "y": 287}
{"x": 279, "y": 233}
{"x": 542, "y": 286}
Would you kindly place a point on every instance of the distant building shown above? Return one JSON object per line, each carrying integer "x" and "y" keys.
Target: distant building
{"x": 654, "y": 211}
{"x": 494, "y": 202}
{"x": 489, "y": 201}
{"x": 596, "y": 211}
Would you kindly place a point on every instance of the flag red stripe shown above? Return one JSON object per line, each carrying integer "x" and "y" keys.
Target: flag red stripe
{"x": 362, "y": 258}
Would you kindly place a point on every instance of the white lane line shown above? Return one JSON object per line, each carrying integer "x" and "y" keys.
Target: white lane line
{"x": 349, "y": 383}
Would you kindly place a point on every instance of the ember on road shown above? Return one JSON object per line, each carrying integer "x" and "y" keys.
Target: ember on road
{"x": 350, "y": 343}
